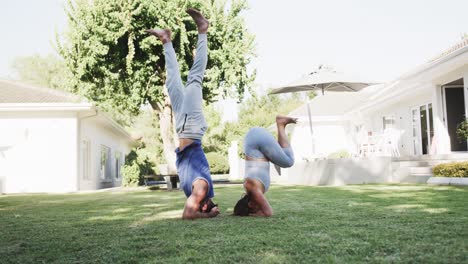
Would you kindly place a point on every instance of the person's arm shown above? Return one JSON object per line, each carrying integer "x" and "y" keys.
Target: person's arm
{"x": 192, "y": 205}
{"x": 264, "y": 208}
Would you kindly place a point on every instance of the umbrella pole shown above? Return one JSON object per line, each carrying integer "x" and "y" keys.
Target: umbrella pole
{"x": 310, "y": 125}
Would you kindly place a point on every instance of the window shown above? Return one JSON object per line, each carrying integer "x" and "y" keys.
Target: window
{"x": 85, "y": 159}
{"x": 118, "y": 164}
{"x": 388, "y": 122}
{"x": 104, "y": 171}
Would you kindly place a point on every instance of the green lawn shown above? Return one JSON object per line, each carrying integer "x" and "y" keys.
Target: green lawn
{"x": 367, "y": 223}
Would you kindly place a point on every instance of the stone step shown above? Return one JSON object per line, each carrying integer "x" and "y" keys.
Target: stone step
{"x": 219, "y": 177}
{"x": 420, "y": 170}
{"x": 461, "y": 156}
{"x": 416, "y": 163}
{"x": 415, "y": 178}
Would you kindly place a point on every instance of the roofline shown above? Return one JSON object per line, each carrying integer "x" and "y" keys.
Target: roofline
{"x": 115, "y": 125}
{"x": 434, "y": 63}
{"x": 68, "y": 107}
{"x": 5, "y": 107}
{"x": 45, "y": 89}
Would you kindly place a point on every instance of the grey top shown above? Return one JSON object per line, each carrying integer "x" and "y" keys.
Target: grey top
{"x": 258, "y": 170}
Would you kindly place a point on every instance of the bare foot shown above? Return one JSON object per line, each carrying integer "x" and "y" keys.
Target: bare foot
{"x": 163, "y": 34}
{"x": 285, "y": 120}
{"x": 200, "y": 20}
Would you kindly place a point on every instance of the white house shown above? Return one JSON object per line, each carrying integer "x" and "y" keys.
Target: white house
{"x": 52, "y": 141}
{"x": 394, "y": 132}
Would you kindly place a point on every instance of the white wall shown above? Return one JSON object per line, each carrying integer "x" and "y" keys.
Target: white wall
{"x": 401, "y": 110}
{"x": 38, "y": 152}
{"x": 340, "y": 171}
{"x": 93, "y": 130}
{"x": 329, "y": 136}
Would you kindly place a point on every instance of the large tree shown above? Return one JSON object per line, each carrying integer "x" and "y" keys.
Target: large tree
{"x": 115, "y": 63}
{"x": 48, "y": 71}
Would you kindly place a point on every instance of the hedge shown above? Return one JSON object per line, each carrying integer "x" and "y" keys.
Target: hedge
{"x": 218, "y": 163}
{"x": 453, "y": 169}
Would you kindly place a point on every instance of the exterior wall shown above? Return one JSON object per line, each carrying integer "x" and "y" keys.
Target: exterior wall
{"x": 401, "y": 110}
{"x": 329, "y": 136}
{"x": 38, "y": 152}
{"x": 98, "y": 135}
{"x": 339, "y": 172}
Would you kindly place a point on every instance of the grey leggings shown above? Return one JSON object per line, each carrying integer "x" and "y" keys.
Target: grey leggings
{"x": 187, "y": 101}
{"x": 260, "y": 144}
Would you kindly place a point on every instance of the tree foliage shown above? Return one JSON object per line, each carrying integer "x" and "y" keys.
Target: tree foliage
{"x": 260, "y": 111}
{"x": 119, "y": 66}
{"x": 114, "y": 60}
{"x": 47, "y": 71}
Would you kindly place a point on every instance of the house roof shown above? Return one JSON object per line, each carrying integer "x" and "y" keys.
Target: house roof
{"x": 457, "y": 49}
{"x": 16, "y": 96}
{"x": 460, "y": 45}
{"x": 336, "y": 103}
{"x": 16, "y": 92}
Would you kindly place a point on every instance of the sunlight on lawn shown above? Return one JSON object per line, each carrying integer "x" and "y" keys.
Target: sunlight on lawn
{"x": 52, "y": 202}
{"x": 395, "y": 195}
{"x": 121, "y": 210}
{"x": 436, "y": 210}
{"x": 404, "y": 207}
{"x": 352, "y": 203}
{"x": 154, "y": 205}
{"x": 173, "y": 214}
{"x": 272, "y": 257}
{"x": 369, "y": 188}
{"x": 107, "y": 218}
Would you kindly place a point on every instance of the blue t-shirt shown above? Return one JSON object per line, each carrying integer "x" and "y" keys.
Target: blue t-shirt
{"x": 192, "y": 165}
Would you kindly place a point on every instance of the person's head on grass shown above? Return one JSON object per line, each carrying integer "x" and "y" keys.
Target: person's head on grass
{"x": 253, "y": 202}
{"x": 206, "y": 205}
{"x": 246, "y": 206}
{"x": 242, "y": 206}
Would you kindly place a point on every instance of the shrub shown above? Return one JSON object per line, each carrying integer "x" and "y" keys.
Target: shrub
{"x": 218, "y": 163}
{"x": 131, "y": 174}
{"x": 462, "y": 131}
{"x": 453, "y": 169}
{"x": 339, "y": 154}
{"x": 136, "y": 166}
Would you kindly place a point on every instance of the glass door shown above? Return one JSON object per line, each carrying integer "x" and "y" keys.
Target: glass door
{"x": 423, "y": 129}
{"x": 415, "y": 131}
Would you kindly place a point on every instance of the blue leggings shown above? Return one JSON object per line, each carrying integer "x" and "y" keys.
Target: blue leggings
{"x": 260, "y": 144}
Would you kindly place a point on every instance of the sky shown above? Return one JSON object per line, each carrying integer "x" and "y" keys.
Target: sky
{"x": 376, "y": 39}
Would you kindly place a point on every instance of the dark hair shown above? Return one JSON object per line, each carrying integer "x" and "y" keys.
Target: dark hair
{"x": 242, "y": 206}
{"x": 210, "y": 204}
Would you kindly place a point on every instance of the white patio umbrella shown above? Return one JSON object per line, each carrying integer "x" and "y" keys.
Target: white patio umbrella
{"x": 324, "y": 79}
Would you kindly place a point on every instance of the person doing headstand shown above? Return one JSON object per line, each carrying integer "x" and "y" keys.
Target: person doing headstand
{"x": 261, "y": 148}
{"x": 192, "y": 165}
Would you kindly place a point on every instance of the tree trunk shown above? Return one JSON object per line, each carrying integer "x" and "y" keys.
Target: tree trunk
{"x": 167, "y": 131}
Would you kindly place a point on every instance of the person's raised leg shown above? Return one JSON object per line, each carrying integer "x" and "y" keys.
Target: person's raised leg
{"x": 174, "y": 83}
{"x": 197, "y": 70}
{"x": 193, "y": 90}
{"x": 278, "y": 152}
{"x": 281, "y": 123}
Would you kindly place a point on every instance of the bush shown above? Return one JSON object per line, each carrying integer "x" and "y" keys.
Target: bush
{"x": 218, "y": 163}
{"x": 453, "y": 169}
{"x": 339, "y": 154}
{"x": 131, "y": 174}
{"x": 137, "y": 165}
{"x": 462, "y": 131}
